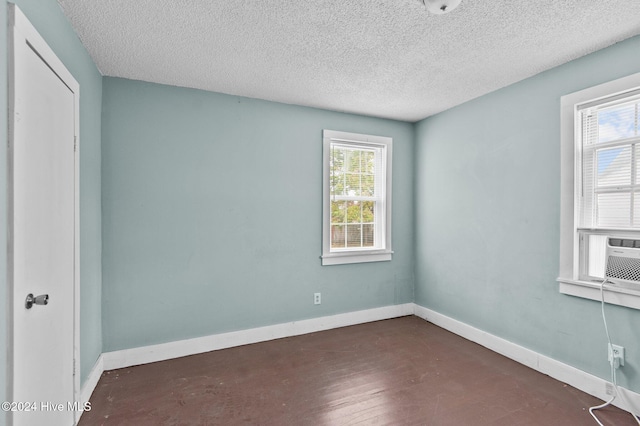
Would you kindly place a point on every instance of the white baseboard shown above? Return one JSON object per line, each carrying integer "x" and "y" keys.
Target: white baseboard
{"x": 164, "y": 351}
{"x": 147, "y": 354}
{"x": 627, "y": 400}
{"x": 92, "y": 380}
{"x": 90, "y": 384}
{"x": 588, "y": 383}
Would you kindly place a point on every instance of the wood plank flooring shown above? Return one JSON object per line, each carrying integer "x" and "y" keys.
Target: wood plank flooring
{"x": 403, "y": 371}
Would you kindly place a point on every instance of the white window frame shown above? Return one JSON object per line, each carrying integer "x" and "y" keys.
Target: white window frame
{"x": 383, "y": 227}
{"x": 572, "y": 280}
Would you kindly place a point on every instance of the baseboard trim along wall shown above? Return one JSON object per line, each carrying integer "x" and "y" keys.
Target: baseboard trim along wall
{"x": 92, "y": 380}
{"x": 627, "y": 400}
{"x": 148, "y": 354}
{"x": 588, "y": 383}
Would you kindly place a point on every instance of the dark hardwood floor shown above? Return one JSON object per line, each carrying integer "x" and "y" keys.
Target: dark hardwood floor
{"x": 403, "y": 371}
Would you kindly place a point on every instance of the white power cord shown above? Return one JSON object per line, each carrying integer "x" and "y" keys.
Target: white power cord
{"x": 614, "y": 379}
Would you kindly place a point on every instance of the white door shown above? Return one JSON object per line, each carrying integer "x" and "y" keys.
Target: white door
{"x": 43, "y": 241}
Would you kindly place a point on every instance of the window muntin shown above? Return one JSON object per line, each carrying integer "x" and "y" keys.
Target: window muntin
{"x": 357, "y": 198}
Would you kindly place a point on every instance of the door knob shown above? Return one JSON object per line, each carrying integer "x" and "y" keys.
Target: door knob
{"x": 43, "y": 299}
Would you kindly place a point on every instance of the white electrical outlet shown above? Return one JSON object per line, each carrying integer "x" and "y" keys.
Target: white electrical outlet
{"x": 616, "y": 352}
{"x": 317, "y": 298}
{"x": 608, "y": 387}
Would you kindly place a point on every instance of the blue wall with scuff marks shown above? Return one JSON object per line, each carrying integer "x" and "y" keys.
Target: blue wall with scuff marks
{"x": 487, "y": 209}
{"x": 212, "y": 215}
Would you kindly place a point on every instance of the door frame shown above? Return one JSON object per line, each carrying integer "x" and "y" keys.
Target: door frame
{"x": 22, "y": 31}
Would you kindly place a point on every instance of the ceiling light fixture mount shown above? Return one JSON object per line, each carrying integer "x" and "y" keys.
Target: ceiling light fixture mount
{"x": 440, "y": 7}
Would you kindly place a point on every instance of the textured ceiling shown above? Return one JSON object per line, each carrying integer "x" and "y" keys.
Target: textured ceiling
{"x": 384, "y": 58}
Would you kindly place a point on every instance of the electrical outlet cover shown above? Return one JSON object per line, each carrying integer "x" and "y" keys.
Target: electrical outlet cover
{"x": 609, "y": 388}
{"x": 616, "y": 351}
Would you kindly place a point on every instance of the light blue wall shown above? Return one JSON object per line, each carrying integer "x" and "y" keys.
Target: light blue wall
{"x": 212, "y": 215}
{"x": 47, "y": 17}
{"x": 487, "y": 189}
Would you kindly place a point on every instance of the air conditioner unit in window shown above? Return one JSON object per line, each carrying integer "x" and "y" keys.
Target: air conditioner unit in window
{"x": 623, "y": 262}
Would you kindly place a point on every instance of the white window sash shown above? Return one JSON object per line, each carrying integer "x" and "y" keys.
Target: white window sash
{"x": 382, "y": 215}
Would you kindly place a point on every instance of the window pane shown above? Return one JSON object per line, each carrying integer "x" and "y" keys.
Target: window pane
{"x": 368, "y": 209}
{"x": 368, "y": 162}
{"x": 614, "y": 210}
{"x": 353, "y": 161}
{"x": 337, "y": 184}
{"x": 614, "y": 166}
{"x": 368, "y": 185}
{"x": 337, "y": 236}
{"x": 368, "y": 232}
{"x": 354, "y": 233}
{"x": 616, "y": 123}
{"x": 354, "y": 212}
{"x": 353, "y": 184}
{"x": 338, "y": 211}
{"x": 336, "y": 169}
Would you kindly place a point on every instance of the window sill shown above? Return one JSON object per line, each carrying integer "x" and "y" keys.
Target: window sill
{"x": 613, "y": 295}
{"x": 343, "y": 258}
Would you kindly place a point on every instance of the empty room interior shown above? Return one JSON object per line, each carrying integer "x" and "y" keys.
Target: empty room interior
{"x": 328, "y": 213}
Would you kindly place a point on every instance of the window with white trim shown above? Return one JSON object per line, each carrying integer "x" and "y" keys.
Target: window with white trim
{"x": 610, "y": 184}
{"x": 600, "y": 183}
{"x": 356, "y": 198}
